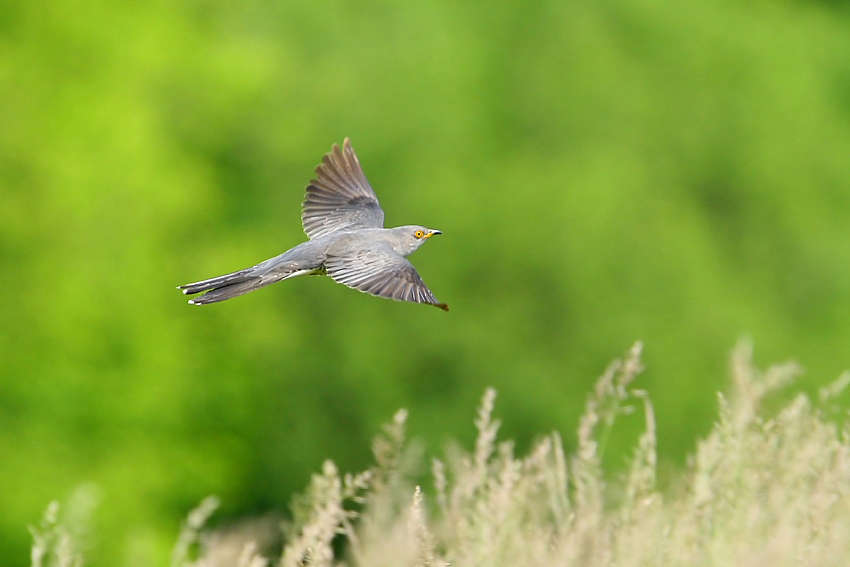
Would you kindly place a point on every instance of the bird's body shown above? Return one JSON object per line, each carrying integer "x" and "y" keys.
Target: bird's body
{"x": 344, "y": 222}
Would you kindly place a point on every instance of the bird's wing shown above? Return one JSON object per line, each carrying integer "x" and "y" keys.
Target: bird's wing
{"x": 340, "y": 198}
{"x": 381, "y": 271}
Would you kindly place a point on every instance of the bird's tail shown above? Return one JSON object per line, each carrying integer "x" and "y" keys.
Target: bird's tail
{"x": 221, "y": 281}
{"x": 238, "y": 283}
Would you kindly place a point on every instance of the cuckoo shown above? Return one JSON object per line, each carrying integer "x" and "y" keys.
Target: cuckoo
{"x": 347, "y": 241}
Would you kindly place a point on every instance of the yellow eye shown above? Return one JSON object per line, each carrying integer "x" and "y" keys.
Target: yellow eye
{"x": 418, "y": 234}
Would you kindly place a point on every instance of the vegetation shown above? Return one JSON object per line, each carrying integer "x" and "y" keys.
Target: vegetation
{"x": 758, "y": 491}
{"x": 603, "y": 172}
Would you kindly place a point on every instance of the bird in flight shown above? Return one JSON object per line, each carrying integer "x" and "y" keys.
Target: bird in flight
{"x": 347, "y": 241}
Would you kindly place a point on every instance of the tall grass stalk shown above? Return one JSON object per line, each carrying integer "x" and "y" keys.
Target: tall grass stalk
{"x": 763, "y": 491}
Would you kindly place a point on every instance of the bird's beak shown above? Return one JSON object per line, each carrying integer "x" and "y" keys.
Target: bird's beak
{"x": 432, "y": 233}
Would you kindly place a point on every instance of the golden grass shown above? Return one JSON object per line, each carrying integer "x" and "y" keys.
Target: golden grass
{"x": 758, "y": 492}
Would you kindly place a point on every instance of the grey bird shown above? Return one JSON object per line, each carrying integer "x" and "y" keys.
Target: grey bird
{"x": 347, "y": 241}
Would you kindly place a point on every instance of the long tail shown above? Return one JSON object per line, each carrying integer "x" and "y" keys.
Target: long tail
{"x": 221, "y": 281}
{"x": 235, "y": 284}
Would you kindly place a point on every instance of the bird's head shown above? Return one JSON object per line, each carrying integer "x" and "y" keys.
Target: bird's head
{"x": 412, "y": 237}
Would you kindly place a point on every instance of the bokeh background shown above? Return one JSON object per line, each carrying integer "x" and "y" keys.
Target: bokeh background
{"x": 675, "y": 172}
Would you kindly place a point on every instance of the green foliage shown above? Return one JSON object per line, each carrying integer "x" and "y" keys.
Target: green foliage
{"x": 674, "y": 172}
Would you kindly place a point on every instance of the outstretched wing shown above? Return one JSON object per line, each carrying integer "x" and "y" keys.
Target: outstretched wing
{"x": 381, "y": 271}
{"x": 340, "y": 198}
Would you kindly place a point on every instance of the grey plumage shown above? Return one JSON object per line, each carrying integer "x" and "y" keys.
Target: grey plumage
{"x": 344, "y": 223}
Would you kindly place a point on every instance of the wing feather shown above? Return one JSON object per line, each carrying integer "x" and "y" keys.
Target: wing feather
{"x": 340, "y": 198}
{"x": 382, "y": 272}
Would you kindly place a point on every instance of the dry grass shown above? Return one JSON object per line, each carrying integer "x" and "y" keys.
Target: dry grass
{"x": 758, "y": 491}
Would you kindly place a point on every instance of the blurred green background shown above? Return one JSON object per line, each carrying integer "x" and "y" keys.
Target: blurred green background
{"x": 676, "y": 172}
